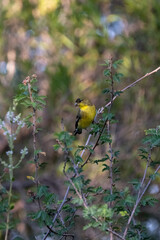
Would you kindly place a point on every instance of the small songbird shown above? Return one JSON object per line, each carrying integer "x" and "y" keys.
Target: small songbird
{"x": 85, "y": 116}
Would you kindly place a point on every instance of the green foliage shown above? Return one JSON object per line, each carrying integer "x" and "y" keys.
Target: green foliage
{"x": 11, "y": 127}
{"x": 62, "y": 41}
{"x": 152, "y": 137}
{"x": 116, "y": 204}
{"x": 97, "y": 211}
{"x": 109, "y": 208}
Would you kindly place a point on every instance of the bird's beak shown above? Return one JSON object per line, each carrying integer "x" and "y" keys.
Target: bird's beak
{"x": 75, "y": 104}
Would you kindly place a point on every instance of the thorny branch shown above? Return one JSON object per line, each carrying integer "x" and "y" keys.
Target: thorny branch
{"x": 27, "y": 82}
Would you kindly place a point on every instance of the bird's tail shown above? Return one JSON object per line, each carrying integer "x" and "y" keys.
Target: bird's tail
{"x": 77, "y": 131}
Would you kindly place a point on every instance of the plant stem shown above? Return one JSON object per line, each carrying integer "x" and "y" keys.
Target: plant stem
{"x": 10, "y": 166}
{"x": 9, "y": 194}
{"x": 34, "y": 140}
{"x": 8, "y": 212}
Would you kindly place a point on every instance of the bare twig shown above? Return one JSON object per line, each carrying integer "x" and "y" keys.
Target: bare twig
{"x": 88, "y": 139}
{"x": 100, "y": 110}
{"x": 58, "y": 212}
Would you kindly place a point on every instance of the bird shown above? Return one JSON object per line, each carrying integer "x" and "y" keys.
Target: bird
{"x": 85, "y": 116}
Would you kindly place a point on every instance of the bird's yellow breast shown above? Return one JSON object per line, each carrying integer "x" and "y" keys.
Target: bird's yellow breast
{"x": 87, "y": 116}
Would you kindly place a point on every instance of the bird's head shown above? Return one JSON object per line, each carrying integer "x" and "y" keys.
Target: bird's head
{"x": 82, "y": 102}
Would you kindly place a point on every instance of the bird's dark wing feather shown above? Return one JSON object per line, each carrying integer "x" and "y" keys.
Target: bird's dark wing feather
{"x": 77, "y": 130}
{"x": 77, "y": 119}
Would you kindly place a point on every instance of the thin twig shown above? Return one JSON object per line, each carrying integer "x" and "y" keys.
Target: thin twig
{"x": 80, "y": 195}
{"x": 58, "y": 212}
{"x": 100, "y": 110}
{"x": 147, "y": 185}
{"x": 88, "y": 139}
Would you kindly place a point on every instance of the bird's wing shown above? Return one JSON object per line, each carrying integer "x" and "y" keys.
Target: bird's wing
{"x": 78, "y": 118}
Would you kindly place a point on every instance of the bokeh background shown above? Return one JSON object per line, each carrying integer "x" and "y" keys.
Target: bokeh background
{"x": 65, "y": 42}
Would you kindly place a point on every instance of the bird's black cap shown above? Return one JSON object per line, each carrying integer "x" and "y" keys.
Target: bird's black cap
{"x": 79, "y": 100}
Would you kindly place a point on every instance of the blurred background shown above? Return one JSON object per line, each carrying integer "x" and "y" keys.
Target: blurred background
{"x": 65, "y": 42}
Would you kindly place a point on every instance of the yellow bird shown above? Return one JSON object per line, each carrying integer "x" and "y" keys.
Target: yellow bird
{"x": 85, "y": 116}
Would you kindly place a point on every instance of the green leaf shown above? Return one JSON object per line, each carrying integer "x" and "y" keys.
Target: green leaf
{"x": 2, "y": 226}
{"x": 153, "y": 176}
{"x": 49, "y": 198}
{"x": 56, "y": 147}
{"x": 154, "y": 141}
{"x": 143, "y": 150}
{"x": 105, "y": 139}
{"x": 107, "y": 72}
{"x": 129, "y": 200}
{"x": 148, "y": 201}
{"x": 108, "y": 116}
{"x": 104, "y": 211}
{"x": 116, "y": 154}
{"x": 67, "y": 207}
{"x": 117, "y": 93}
{"x": 116, "y": 63}
{"x": 78, "y": 159}
{"x": 42, "y": 191}
{"x": 87, "y": 226}
{"x": 106, "y": 167}
{"x": 135, "y": 183}
{"x": 109, "y": 198}
{"x": 153, "y": 163}
{"x": 123, "y": 213}
{"x": 117, "y": 77}
{"x": 65, "y": 137}
{"x": 107, "y": 62}
{"x": 40, "y": 101}
{"x": 78, "y": 181}
{"x": 106, "y": 91}
{"x": 77, "y": 201}
{"x": 101, "y": 160}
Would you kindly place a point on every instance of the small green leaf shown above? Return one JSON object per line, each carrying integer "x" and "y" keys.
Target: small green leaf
{"x": 107, "y": 72}
{"x": 106, "y": 167}
{"x": 123, "y": 213}
{"x": 117, "y": 93}
{"x": 56, "y": 147}
{"x": 116, "y": 63}
{"x": 87, "y": 226}
{"x": 106, "y": 90}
